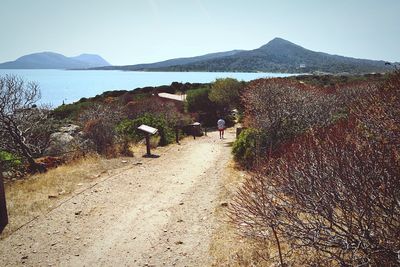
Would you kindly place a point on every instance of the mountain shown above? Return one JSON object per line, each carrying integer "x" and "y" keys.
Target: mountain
{"x": 172, "y": 62}
{"x": 50, "y": 60}
{"x": 278, "y": 55}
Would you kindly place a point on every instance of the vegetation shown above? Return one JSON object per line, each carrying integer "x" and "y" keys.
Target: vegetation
{"x": 226, "y": 93}
{"x": 246, "y": 147}
{"x": 24, "y": 128}
{"x": 278, "y": 55}
{"x": 129, "y": 128}
{"x": 327, "y": 193}
{"x": 9, "y": 161}
{"x": 210, "y": 103}
{"x": 70, "y": 111}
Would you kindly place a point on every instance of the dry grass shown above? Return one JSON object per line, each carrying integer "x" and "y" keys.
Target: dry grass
{"x": 38, "y": 194}
{"x": 227, "y": 247}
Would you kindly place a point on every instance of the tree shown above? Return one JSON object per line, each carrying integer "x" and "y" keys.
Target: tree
{"x": 226, "y": 93}
{"x": 197, "y": 100}
{"x": 24, "y": 130}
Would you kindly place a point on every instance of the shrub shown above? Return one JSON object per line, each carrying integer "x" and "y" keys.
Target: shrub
{"x": 247, "y": 146}
{"x": 71, "y": 111}
{"x": 285, "y": 109}
{"x": 98, "y": 131}
{"x": 9, "y": 161}
{"x": 333, "y": 194}
{"x": 226, "y": 93}
{"x": 197, "y": 100}
{"x": 128, "y": 128}
{"x": 99, "y": 126}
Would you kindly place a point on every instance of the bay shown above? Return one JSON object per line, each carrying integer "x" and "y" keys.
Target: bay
{"x": 58, "y": 86}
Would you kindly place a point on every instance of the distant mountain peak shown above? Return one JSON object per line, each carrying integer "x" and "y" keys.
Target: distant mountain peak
{"x": 278, "y": 42}
{"x": 51, "y": 60}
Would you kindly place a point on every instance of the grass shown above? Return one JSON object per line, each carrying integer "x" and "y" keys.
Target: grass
{"x": 38, "y": 194}
{"x": 227, "y": 247}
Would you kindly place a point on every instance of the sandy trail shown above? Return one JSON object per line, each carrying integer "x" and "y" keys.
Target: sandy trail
{"x": 157, "y": 213}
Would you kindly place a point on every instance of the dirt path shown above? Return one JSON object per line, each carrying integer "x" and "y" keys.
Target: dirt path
{"x": 157, "y": 213}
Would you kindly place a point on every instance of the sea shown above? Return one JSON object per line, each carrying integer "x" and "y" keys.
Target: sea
{"x": 68, "y": 86}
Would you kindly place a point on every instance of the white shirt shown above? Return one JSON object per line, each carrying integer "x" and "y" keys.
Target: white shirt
{"x": 221, "y": 124}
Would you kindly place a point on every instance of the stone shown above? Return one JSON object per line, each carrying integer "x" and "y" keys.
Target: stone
{"x": 78, "y": 212}
{"x": 224, "y": 204}
{"x": 66, "y": 139}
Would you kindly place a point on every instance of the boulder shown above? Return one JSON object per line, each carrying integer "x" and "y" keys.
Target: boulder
{"x": 71, "y": 129}
{"x": 67, "y": 139}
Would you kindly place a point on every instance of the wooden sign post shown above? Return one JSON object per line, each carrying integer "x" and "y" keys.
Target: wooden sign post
{"x": 196, "y": 129}
{"x": 148, "y": 131}
{"x": 3, "y": 207}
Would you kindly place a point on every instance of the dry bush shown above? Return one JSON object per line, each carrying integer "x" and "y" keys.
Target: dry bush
{"x": 150, "y": 105}
{"x": 285, "y": 108}
{"x": 333, "y": 195}
{"x": 99, "y": 123}
{"x": 281, "y": 109}
{"x": 24, "y": 128}
{"x": 331, "y": 192}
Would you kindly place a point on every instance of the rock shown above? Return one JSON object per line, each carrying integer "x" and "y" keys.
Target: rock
{"x": 66, "y": 139}
{"x": 178, "y": 243}
{"x": 78, "y": 212}
{"x": 24, "y": 257}
{"x": 124, "y": 161}
{"x": 52, "y": 196}
{"x": 70, "y": 129}
{"x": 224, "y": 204}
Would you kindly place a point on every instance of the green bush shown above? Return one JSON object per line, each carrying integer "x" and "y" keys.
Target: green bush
{"x": 226, "y": 93}
{"x": 128, "y": 128}
{"x": 9, "y": 161}
{"x": 246, "y": 147}
{"x": 70, "y": 111}
{"x": 197, "y": 100}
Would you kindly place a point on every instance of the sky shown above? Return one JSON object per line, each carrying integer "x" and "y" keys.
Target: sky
{"x": 143, "y": 31}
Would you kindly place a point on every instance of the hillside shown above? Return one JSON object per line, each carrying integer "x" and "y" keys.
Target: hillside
{"x": 171, "y": 62}
{"x": 50, "y": 60}
{"x": 278, "y": 55}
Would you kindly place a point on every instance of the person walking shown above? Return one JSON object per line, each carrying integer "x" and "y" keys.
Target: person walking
{"x": 221, "y": 128}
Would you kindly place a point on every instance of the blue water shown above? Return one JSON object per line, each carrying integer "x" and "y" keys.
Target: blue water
{"x": 71, "y": 85}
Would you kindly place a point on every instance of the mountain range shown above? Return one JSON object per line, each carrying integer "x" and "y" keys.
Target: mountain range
{"x": 278, "y": 55}
{"x": 50, "y": 60}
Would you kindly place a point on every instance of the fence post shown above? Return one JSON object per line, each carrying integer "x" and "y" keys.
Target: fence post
{"x": 3, "y": 207}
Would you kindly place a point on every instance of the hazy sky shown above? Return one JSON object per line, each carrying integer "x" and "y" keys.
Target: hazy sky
{"x": 139, "y": 31}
